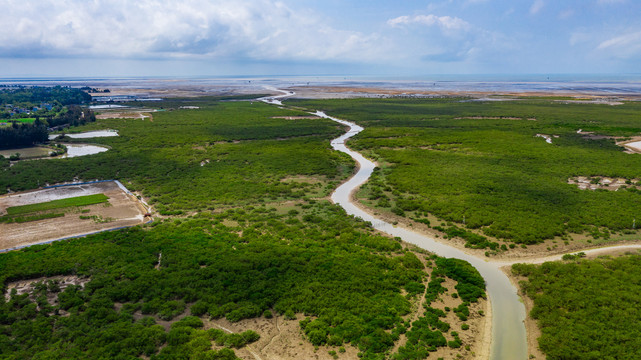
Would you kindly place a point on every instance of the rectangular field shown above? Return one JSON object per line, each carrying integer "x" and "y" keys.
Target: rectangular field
{"x": 87, "y": 208}
{"x": 28, "y": 152}
{"x": 58, "y": 204}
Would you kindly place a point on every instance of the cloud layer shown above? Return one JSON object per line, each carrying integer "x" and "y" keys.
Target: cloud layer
{"x": 462, "y": 36}
{"x": 260, "y": 29}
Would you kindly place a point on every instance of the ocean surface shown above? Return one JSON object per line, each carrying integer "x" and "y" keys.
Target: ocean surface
{"x": 615, "y": 85}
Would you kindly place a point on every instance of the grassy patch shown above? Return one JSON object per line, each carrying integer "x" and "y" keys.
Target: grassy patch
{"x": 24, "y": 120}
{"x": 23, "y": 219}
{"x": 58, "y": 204}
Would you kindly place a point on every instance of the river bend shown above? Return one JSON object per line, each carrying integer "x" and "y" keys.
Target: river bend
{"x": 508, "y": 313}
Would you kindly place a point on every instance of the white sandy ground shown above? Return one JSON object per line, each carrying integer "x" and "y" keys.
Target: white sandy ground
{"x": 88, "y": 134}
{"x": 636, "y": 146}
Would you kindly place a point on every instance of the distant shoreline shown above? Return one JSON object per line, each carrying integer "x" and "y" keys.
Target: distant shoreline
{"x": 624, "y": 87}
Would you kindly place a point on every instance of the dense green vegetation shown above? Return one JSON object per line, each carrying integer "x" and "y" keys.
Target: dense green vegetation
{"x": 31, "y": 110}
{"x": 34, "y": 95}
{"x": 23, "y": 134}
{"x": 428, "y": 333}
{"x": 239, "y": 254}
{"x": 481, "y": 163}
{"x": 586, "y": 309}
{"x": 26, "y": 133}
{"x": 58, "y": 204}
{"x": 222, "y": 154}
{"x": 330, "y": 267}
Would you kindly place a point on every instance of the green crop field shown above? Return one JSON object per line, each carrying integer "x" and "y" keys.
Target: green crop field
{"x": 25, "y": 120}
{"x": 58, "y": 204}
{"x": 480, "y": 166}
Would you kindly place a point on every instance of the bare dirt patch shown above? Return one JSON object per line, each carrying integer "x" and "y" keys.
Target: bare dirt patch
{"x": 599, "y": 101}
{"x": 280, "y": 339}
{"x": 604, "y": 183}
{"x": 53, "y": 284}
{"x": 28, "y": 152}
{"x": 126, "y": 115}
{"x": 474, "y": 336}
{"x": 121, "y": 210}
{"x": 328, "y": 92}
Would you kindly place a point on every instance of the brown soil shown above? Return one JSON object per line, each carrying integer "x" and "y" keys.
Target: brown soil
{"x": 279, "y": 340}
{"x": 29, "y": 152}
{"x": 125, "y": 210}
{"x": 479, "y": 334}
{"x": 126, "y": 115}
{"x": 347, "y": 92}
{"x": 604, "y": 182}
{"x": 474, "y": 336}
{"x": 28, "y": 286}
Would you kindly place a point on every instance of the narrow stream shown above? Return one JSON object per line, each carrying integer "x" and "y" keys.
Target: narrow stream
{"x": 508, "y": 313}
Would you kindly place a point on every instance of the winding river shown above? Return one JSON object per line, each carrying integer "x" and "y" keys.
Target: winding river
{"x": 509, "y": 339}
{"x": 508, "y": 330}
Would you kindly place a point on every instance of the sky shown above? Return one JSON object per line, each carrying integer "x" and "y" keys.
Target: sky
{"x": 123, "y": 38}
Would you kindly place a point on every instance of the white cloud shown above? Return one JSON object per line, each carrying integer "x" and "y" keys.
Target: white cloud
{"x": 580, "y": 37}
{"x": 566, "y": 14}
{"x": 537, "y": 6}
{"x": 623, "y": 46}
{"x": 446, "y": 23}
{"x": 447, "y": 39}
{"x": 251, "y": 29}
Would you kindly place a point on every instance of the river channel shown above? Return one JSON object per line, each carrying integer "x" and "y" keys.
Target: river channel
{"x": 508, "y": 313}
{"x": 509, "y": 339}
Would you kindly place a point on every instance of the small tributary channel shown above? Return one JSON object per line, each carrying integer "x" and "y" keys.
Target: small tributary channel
{"x": 508, "y": 313}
